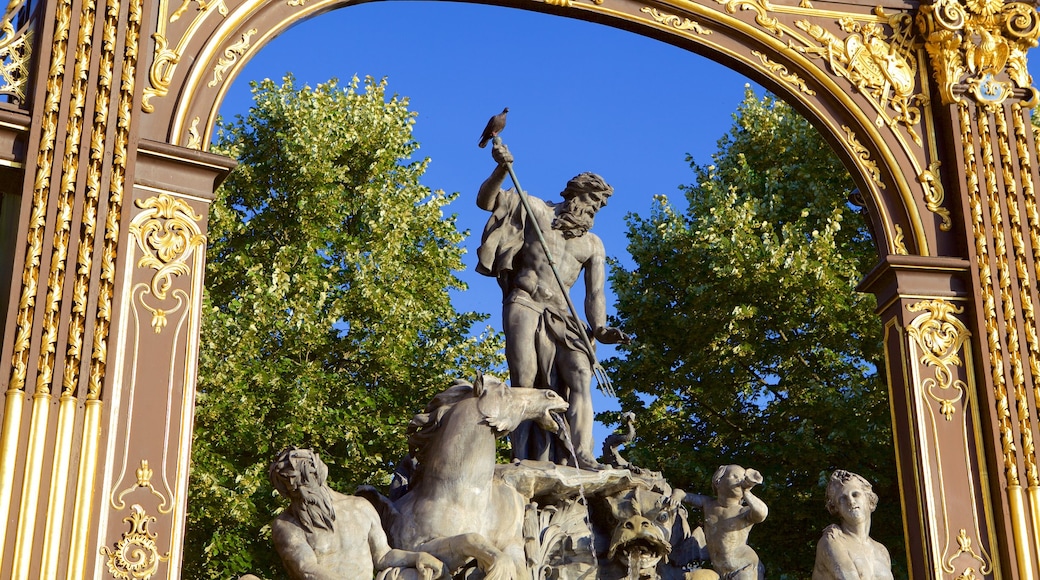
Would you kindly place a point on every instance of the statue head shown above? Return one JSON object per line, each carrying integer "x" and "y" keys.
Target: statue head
{"x": 836, "y": 486}
{"x": 300, "y": 475}
{"x": 584, "y": 195}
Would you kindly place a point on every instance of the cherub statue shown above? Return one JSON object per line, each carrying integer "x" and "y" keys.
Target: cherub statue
{"x": 846, "y": 550}
{"x": 728, "y": 518}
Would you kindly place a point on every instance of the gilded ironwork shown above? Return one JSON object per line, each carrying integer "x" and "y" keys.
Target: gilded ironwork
{"x": 761, "y": 9}
{"x": 981, "y": 44}
{"x": 167, "y": 233}
{"x": 164, "y": 64}
{"x": 144, "y": 481}
{"x": 899, "y": 242}
{"x": 136, "y": 555}
{"x": 863, "y": 156}
{"x": 230, "y": 57}
{"x": 881, "y": 65}
{"x": 194, "y": 137}
{"x": 674, "y": 21}
{"x": 934, "y": 194}
{"x": 940, "y": 335}
{"x": 1002, "y": 404}
{"x": 781, "y": 72}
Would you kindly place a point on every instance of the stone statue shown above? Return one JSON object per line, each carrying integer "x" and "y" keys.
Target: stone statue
{"x": 324, "y": 534}
{"x": 543, "y": 347}
{"x": 455, "y": 507}
{"x": 728, "y": 519}
{"x": 846, "y": 550}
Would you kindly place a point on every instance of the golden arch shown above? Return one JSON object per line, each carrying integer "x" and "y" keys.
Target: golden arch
{"x": 105, "y": 184}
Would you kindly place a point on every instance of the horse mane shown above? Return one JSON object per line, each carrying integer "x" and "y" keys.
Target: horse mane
{"x": 425, "y": 425}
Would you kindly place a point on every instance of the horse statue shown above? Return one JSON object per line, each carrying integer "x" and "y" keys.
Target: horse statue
{"x": 454, "y": 507}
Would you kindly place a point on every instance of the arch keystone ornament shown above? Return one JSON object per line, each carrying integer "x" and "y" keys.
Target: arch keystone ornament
{"x": 104, "y": 170}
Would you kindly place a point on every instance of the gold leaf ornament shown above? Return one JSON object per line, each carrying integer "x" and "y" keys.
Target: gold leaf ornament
{"x": 135, "y": 556}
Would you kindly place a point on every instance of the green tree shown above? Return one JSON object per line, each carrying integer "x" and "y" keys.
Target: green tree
{"x": 752, "y": 345}
{"x": 328, "y": 321}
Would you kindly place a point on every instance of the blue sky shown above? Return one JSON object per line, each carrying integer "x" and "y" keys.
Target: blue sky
{"x": 582, "y": 97}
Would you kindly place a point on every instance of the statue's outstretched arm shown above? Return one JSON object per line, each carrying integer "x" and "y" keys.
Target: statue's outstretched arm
{"x": 492, "y": 186}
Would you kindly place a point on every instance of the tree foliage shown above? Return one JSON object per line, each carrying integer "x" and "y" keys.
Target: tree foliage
{"x": 327, "y": 317}
{"x": 751, "y": 344}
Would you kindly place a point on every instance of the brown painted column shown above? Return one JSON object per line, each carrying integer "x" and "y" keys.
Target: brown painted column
{"x": 926, "y": 308}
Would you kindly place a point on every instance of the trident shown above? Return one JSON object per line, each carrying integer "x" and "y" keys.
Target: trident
{"x": 602, "y": 380}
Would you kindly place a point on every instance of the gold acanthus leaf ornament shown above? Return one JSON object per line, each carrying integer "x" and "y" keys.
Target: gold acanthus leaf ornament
{"x": 135, "y": 556}
{"x": 167, "y": 234}
{"x": 980, "y": 44}
{"x": 940, "y": 336}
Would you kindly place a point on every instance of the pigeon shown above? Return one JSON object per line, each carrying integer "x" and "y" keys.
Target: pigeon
{"x": 494, "y": 127}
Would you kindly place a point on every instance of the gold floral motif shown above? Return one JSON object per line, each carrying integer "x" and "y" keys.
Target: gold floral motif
{"x": 564, "y": 3}
{"x": 164, "y": 64}
{"x": 964, "y": 547}
{"x": 975, "y": 43}
{"x": 167, "y": 234}
{"x": 760, "y": 8}
{"x": 230, "y": 57}
{"x": 674, "y": 21}
{"x": 144, "y": 481}
{"x": 782, "y": 73}
{"x": 934, "y": 194}
{"x": 940, "y": 335}
{"x": 863, "y": 156}
{"x": 882, "y": 66}
{"x": 135, "y": 556}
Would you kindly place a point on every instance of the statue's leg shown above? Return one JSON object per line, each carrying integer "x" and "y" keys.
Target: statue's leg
{"x": 521, "y": 325}
{"x": 575, "y": 372}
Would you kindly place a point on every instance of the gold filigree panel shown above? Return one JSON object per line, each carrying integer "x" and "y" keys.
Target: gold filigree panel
{"x": 168, "y": 235}
{"x": 940, "y": 347}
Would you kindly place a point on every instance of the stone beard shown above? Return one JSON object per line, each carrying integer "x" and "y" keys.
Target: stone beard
{"x": 302, "y": 479}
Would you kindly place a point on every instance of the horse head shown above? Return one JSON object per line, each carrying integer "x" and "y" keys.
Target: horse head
{"x": 504, "y": 407}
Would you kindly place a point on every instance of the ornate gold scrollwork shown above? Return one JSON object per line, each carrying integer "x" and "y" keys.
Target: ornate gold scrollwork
{"x": 940, "y": 335}
{"x": 934, "y": 194}
{"x": 880, "y": 65}
{"x": 978, "y": 43}
{"x": 144, "y": 481}
{"x": 135, "y": 556}
{"x": 760, "y": 8}
{"x": 167, "y": 235}
{"x": 194, "y": 137}
{"x": 863, "y": 156}
{"x": 230, "y": 57}
{"x": 898, "y": 240}
{"x": 674, "y": 21}
{"x": 160, "y": 75}
{"x": 781, "y": 72}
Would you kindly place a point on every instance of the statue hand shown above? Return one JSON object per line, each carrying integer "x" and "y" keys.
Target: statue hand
{"x": 751, "y": 478}
{"x": 611, "y": 335}
{"x": 501, "y": 154}
{"x": 676, "y": 498}
{"x": 430, "y": 567}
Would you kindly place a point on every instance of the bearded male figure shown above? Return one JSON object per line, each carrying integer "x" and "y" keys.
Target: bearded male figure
{"x": 543, "y": 346}
{"x": 325, "y": 535}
